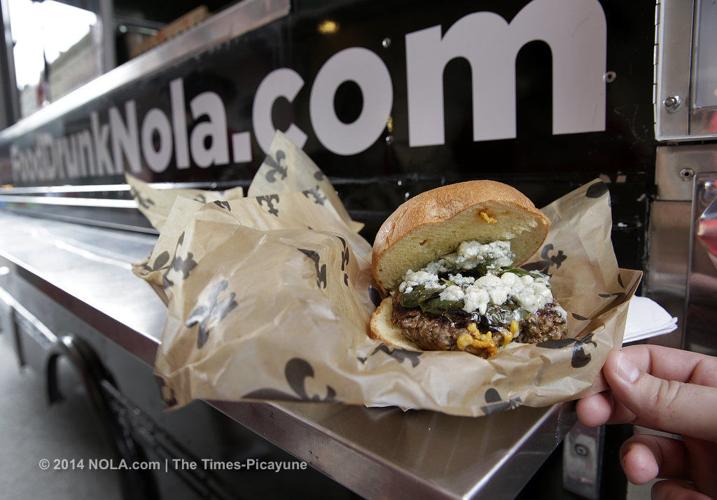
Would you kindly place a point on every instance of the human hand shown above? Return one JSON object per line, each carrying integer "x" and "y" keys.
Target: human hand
{"x": 668, "y": 390}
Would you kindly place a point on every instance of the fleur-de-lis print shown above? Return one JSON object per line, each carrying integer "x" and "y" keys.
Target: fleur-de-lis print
{"x": 179, "y": 263}
{"x": 275, "y": 166}
{"x": 400, "y": 355}
{"x": 144, "y": 201}
{"x": 166, "y": 392}
{"x": 547, "y": 261}
{"x": 344, "y": 260}
{"x": 316, "y": 194}
{"x": 223, "y": 204}
{"x": 160, "y": 262}
{"x": 596, "y": 190}
{"x": 495, "y": 404}
{"x": 269, "y": 201}
{"x": 320, "y": 268}
{"x": 209, "y": 314}
{"x": 579, "y": 358}
{"x": 296, "y": 371}
{"x": 185, "y": 265}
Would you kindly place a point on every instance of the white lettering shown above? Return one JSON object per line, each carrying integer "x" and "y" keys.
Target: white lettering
{"x": 124, "y": 138}
{"x": 282, "y": 82}
{"x": 100, "y": 137}
{"x": 369, "y": 72}
{"x": 575, "y": 30}
{"x": 157, "y": 152}
{"x": 179, "y": 120}
{"x": 241, "y": 146}
{"x": 214, "y": 129}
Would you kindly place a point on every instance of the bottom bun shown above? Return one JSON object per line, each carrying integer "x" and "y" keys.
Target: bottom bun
{"x": 383, "y": 329}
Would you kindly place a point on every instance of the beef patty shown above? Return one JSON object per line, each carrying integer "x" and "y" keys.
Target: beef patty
{"x": 440, "y": 333}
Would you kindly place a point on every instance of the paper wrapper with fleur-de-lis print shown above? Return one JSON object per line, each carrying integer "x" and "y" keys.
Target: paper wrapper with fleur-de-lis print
{"x": 269, "y": 297}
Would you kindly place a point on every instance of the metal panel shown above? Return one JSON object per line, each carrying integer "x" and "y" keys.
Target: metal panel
{"x": 703, "y": 119}
{"x": 702, "y": 278}
{"x": 666, "y": 276}
{"x": 107, "y": 54}
{"x": 669, "y": 239}
{"x": 684, "y": 59}
{"x": 76, "y": 202}
{"x": 107, "y": 188}
{"x": 669, "y": 229}
{"x": 676, "y": 167}
{"x": 582, "y": 460}
{"x": 673, "y": 51}
{"x": 541, "y": 164}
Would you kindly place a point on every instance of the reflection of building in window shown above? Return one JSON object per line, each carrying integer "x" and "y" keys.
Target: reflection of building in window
{"x": 28, "y": 100}
{"x": 705, "y": 54}
{"x": 74, "y": 67}
{"x": 42, "y": 32}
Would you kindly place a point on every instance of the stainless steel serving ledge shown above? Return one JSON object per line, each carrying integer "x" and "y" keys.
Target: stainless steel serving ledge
{"x": 375, "y": 452}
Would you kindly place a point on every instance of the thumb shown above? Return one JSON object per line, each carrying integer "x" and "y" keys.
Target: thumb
{"x": 667, "y": 405}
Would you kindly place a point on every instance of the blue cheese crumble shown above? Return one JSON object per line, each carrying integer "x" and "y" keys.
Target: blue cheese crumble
{"x": 530, "y": 292}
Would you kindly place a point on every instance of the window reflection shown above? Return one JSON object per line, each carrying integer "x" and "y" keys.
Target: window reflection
{"x": 56, "y": 50}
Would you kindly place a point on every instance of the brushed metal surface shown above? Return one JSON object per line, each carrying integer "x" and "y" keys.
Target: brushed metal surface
{"x": 582, "y": 460}
{"x": 668, "y": 256}
{"x": 683, "y": 29}
{"x": 674, "y": 163}
{"x": 375, "y": 452}
{"x": 701, "y": 308}
{"x": 669, "y": 239}
{"x": 68, "y": 201}
{"x": 108, "y": 188}
{"x": 673, "y": 59}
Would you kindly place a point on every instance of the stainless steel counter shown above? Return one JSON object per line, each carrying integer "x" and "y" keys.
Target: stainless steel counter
{"x": 374, "y": 452}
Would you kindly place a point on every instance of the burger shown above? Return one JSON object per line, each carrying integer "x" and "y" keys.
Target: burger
{"x": 448, "y": 264}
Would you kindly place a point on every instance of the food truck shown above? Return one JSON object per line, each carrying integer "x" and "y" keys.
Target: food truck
{"x": 390, "y": 99}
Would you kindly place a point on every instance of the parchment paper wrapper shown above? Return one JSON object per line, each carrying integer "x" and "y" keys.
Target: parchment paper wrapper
{"x": 269, "y": 297}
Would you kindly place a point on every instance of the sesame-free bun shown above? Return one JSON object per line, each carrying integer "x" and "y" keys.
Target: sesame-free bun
{"x": 382, "y": 328}
{"x": 435, "y": 222}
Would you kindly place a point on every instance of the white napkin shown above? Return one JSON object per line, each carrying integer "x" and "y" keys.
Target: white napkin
{"x": 645, "y": 319}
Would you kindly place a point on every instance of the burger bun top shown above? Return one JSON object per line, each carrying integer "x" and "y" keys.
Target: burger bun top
{"x": 435, "y": 222}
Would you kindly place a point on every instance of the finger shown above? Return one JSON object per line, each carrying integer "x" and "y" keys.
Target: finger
{"x": 645, "y": 457}
{"x": 676, "y": 490}
{"x": 600, "y": 409}
{"x": 674, "y": 364}
{"x": 594, "y": 410}
{"x": 599, "y": 385}
{"x": 669, "y": 406}
{"x": 621, "y": 414}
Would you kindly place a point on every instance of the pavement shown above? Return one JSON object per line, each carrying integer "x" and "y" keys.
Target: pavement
{"x": 31, "y": 431}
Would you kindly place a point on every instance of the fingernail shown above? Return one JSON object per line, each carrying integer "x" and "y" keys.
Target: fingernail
{"x": 626, "y": 370}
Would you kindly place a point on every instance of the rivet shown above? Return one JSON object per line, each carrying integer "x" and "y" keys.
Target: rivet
{"x": 687, "y": 173}
{"x": 672, "y": 103}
